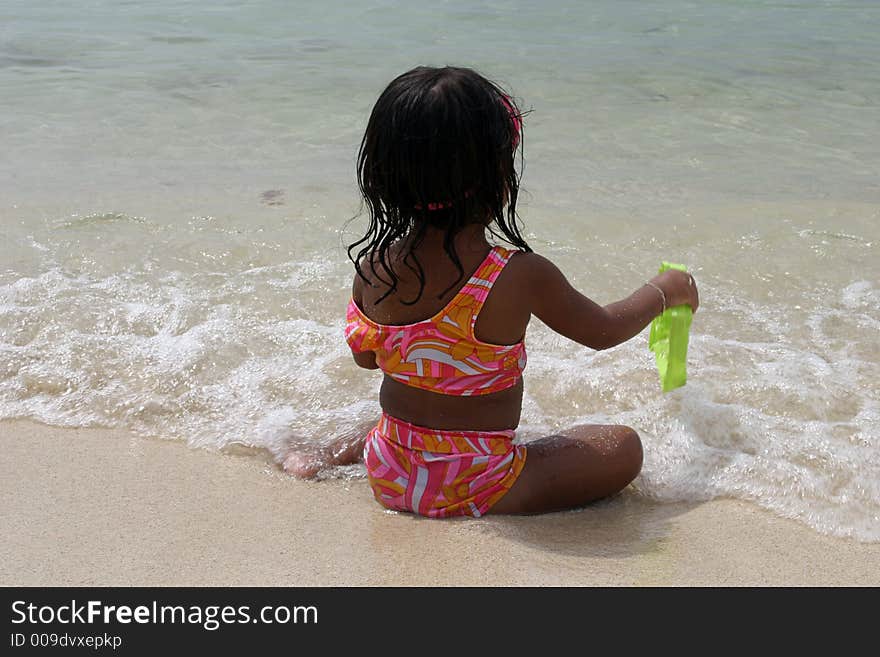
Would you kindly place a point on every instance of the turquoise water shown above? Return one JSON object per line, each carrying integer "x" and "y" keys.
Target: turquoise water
{"x": 176, "y": 182}
{"x": 656, "y": 102}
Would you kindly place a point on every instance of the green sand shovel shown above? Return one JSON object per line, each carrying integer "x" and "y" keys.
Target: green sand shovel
{"x": 669, "y": 340}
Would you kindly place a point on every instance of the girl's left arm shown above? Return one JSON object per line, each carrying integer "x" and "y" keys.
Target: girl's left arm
{"x": 365, "y": 359}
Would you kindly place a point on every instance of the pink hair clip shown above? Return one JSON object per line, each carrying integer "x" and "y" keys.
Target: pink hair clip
{"x": 514, "y": 117}
{"x": 434, "y": 206}
{"x": 444, "y": 204}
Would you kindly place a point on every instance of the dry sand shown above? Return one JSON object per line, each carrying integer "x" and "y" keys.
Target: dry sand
{"x": 102, "y": 507}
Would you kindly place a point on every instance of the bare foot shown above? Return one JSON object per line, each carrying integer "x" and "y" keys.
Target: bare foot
{"x": 302, "y": 465}
{"x": 307, "y": 461}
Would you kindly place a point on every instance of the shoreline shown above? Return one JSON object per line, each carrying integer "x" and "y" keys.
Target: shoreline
{"x": 102, "y": 507}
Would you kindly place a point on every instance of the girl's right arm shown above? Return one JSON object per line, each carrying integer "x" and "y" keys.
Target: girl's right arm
{"x": 568, "y": 312}
{"x": 365, "y": 359}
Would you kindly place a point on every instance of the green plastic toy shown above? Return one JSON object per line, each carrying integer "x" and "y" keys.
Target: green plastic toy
{"x": 669, "y": 340}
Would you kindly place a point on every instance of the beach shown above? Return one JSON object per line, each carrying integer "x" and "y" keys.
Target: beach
{"x": 177, "y": 192}
{"x": 87, "y": 507}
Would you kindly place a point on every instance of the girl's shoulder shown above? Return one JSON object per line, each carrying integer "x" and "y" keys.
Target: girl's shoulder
{"x": 525, "y": 268}
{"x": 357, "y": 287}
{"x": 366, "y": 276}
{"x": 524, "y": 275}
{"x": 530, "y": 280}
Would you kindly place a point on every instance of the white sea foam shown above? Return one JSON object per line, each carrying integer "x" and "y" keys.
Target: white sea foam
{"x": 781, "y": 407}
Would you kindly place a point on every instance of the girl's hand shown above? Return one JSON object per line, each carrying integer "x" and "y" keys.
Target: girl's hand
{"x": 679, "y": 287}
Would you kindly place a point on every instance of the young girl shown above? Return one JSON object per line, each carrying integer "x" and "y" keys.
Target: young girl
{"x": 443, "y": 313}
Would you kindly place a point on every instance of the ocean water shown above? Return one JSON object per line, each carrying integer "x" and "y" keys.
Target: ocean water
{"x": 177, "y": 180}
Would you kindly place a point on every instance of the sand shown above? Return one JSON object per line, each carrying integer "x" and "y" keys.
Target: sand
{"x": 104, "y": 507}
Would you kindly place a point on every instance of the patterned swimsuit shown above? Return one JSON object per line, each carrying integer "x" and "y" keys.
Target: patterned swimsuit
{"x": 439, "y": 473}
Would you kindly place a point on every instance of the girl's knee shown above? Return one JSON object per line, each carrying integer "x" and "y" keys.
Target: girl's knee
{"x": 630, "y": 451}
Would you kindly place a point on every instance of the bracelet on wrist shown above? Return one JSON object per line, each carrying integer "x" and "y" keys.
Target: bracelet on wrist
{"x": 662, "y": 294}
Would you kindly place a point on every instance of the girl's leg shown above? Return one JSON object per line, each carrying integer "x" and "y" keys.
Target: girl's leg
{"x": 305, "y": 461}
{"x": 584, "y": 464}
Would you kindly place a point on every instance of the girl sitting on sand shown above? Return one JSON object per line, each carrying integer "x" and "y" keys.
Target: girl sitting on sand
{"x": 443, "y": 313}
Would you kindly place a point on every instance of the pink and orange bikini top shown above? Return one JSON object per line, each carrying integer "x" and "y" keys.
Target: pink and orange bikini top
{"x": 442, "y": 354}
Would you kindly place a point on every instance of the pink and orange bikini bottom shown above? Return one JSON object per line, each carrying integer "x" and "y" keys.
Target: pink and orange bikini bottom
{"x": 440, "y": 473}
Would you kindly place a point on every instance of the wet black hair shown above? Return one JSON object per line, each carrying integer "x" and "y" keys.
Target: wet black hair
{"x": 439, "y": 150}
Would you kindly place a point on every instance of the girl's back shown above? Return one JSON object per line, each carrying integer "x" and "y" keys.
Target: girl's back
{"x": 501, "y": 320}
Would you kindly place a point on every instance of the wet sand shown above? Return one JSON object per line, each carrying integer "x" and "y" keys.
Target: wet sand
{"x": 104, "y": 507}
